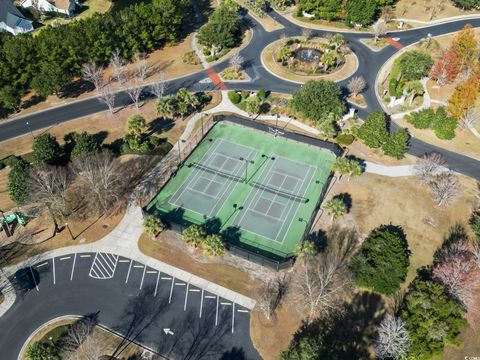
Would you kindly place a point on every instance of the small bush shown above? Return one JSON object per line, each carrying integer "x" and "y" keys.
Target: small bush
{"x": 262, "y": 94}
{"x": 11, "y": 161}
{"x": 234, "y": 97}
{"x": 214, "y": 245}
{"x": 245, "y": 94}
{"x": 392, "y": 87}
{"x": 191, "y": 58}
{"x": 231, "y": 74}
{"x": 345, "y": 139}
{"x": 207, "y": 52}
{"x": 194, "y": 235}
{"x": 152, "y": 225}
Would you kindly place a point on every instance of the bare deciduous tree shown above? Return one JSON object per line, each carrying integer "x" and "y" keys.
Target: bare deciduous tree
{"x": 142, "y": 65}
{"x": 116, "y": 62}
{"x": 79, "y": 342}
{"x": 47, "y": 185}
{"x": 236, "y": 61}
{"x": 469, "y": 119}
{"x": 445, "y": 189}
{"x": 93, "y": 73}
{"x": 356, "y": 85}
{"x": 379, "y": 28}
{"x": 428, "y": 167}
{"x": 107, "y": 96}
{"x": 100, "y": 176}
{"x": 393, "y": 341}
{"x": 159, "y": 88}
{"x": 271, "y": 295}
{"x": 321, "y": 284}
{"x": 134, "y": 91}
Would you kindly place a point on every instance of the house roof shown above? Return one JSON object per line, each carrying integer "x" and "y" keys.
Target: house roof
{"x": 9, "y": 14}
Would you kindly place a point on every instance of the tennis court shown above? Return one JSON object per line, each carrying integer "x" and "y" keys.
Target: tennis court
{"x": 260, "y": 190}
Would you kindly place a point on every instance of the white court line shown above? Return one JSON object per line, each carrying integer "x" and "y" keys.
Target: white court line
{"x": 54, "y": 277}
{"x": 216, "y": 313}
{"x": 65, "y": 258}
{"x": 85, "y": 256}
{"x": 73, "y": 266}
{"x": 156, "y": 285}
{"x": 233, "y": 317}
{"x": 186, "y": 298}
{"x": 171, "y": 291}
{"x": 128, "y": 272}
{"x": 143, "y": 277}
{"x": 42, "y": 264}
{"x": 33, "y": 277}
{"x": 201, "y": 305}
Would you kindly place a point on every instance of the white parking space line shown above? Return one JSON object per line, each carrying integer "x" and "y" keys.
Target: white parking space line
{"x": 171, "y": 291}
{"x": 54, "y": 278}
{"x": 65, "y": 258}
{"x": 138, "y": 266}
{"x": 143, "y": 277}
{"x": 226, "y": 303}
{"x": 201, "y": 305}
{"x": 166, "y": 278}
{"x": 33, "y": 277}
{"x": 128, "y": 272}
{"x": 242, "y": 311}
{"x": 73, "y": 266}
{"x": 194, "y": 290}
{"x": 42, "y": 264}
{"x": 180, "y": 284}
{"x": 186, "y": 298}
{"x": 156, "y": 285}
{"x": 233, "y": 317}
{"x": 85, "y": 256}
{"x": 151, "y": 271}
{"x": 216, "y": 313}
{"x": 210, "y": 297}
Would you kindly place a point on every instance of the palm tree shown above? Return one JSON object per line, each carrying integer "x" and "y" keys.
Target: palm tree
{"x": 328, "y": 59}
{"x": 355, "y": 169}
{"x": 336, "y": 208}
{"x": 165, "y": 106}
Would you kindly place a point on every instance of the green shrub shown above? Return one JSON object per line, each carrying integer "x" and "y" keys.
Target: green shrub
{"x": 382, "y": 262}
{"x": 262, "y": 94}
{"x": 392, "y": 87}
{"x": 234, "y": 97}
{"x": 373, "y": 131}
{"x": 422, "y": 119}
{"x": 206, "y": 52}
{"x": 245, "y": 94}
{"x": 153, "y": 225}
{"x": 18, "y": 182}
{"x": 396, "y": 144}
{"x": 475, "y": 226}
{"x": 214, "y": 245}
{"x": 345, "y": 139}
{"x": 191, "y": 58}
{"x": 194, "y": 235}
{"x": 46, "y": 150}
{"x": 11, "y": 160}
{"x": 444, "y": 125}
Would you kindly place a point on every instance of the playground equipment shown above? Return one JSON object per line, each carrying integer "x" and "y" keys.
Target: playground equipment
{"x": 8, "y": 222}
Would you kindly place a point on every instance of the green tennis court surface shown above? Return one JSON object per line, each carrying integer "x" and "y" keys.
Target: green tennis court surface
{"x": 254, "y": 188}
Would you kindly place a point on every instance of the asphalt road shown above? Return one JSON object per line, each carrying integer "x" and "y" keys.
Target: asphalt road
{"x": 135, "y": 301}
{"x": 369, "y": 65}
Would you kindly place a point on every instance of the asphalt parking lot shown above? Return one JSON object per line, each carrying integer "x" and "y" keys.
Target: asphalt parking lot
{"x": 173, "y": 317}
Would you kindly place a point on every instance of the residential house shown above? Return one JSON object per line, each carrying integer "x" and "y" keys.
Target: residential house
{"x": 66, "y": 7}
{"x": 12, "y": 20}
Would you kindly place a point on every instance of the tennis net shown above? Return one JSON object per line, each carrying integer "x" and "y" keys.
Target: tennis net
{"x": 279, "y": 192}
{"x": 218, "y": 172}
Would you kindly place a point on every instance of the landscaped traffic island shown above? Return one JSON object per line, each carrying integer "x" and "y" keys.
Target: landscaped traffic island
{"x": 303, "y": 58}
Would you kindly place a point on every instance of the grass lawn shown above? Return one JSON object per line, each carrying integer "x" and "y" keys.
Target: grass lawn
{"x": 423, "y": 10}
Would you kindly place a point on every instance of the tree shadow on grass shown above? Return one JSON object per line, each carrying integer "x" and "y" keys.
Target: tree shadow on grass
{"x": 349, "y": 336}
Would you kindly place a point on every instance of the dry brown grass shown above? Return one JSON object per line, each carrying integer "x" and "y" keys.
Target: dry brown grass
{"x": 379, "y": 200}
{"x": 422, "y": 10}
{"x": 167, "y": 60}
{"x": 166, "y": 248}
{"x": 267, "y": 22}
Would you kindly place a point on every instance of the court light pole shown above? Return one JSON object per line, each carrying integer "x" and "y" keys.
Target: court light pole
{"x": 246, "y": 166}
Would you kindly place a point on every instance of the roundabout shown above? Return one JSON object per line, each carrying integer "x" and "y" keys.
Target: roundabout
{"x": 299, "y": 60}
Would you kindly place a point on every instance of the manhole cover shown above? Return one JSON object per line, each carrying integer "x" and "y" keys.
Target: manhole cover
{"x": 104, "y": 226}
